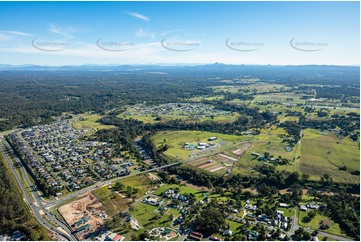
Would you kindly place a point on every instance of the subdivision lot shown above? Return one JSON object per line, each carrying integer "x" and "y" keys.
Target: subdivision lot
{"x": 84, "y": 215}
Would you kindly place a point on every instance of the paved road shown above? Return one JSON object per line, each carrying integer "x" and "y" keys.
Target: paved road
{"x": 46, "y": 206}
{"x": 49, "y": 205}
{"x": 36, "y": 210}
{"x": 41, "y": 206}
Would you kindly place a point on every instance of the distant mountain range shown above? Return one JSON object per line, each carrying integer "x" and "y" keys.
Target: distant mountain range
{"x": 329, "y": 75}
{"x": 199, "y": 67}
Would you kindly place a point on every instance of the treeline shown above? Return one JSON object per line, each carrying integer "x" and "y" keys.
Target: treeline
{"x": 344, "y": 210}
{"x": 293, "y": 129}
{"x": 128, "y": 129}
{"x": 348, "y": 124}
{"x": 336, "y": 92}
{"x": 15, "y": 214}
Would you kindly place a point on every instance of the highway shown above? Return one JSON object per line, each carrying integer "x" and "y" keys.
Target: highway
{"x": 37, "y": 207}
{"x": 41, "y": 207}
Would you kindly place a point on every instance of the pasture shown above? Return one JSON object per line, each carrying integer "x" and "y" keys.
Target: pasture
{"x": 325, "y": 153}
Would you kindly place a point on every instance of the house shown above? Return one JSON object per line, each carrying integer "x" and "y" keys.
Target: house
{"x": 313, "y": 206}
{"x": 17, "y": 236}
{"x": 214, "y": 238}
{"x": 118, "y": 237}
{"x": 168, "y": 193}
{"x": 252, "y": 235}
{"x": 251, "y": 207}
{"x": 227, "y": 232}
{"x": 152, "y": 201}
{"x": 282, "y": 236}
{"x": 283, "y": 205}
{"x": 303, "y": 208}
{"x": 3, "y": 237}
{"x": 196, "y": 236}
{"x": 255, "y": 154}
{"x": 182, "y": 198}
{"x": 314, "y": 238}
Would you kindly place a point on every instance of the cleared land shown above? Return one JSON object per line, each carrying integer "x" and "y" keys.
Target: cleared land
{"x": 176, "y": 139}
{"x": 89, "y": 121}
{"x": 115, "y": 202}
{"x": 84, "y": 215}
{"x": 325, "y": 153}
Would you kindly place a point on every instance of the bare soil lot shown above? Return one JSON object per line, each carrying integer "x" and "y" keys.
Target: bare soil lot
{"x": 240, "y": 151}
{"x": 85, "y": 211}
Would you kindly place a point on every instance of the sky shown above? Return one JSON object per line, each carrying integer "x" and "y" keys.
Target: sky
{"x": 276, "y": 33}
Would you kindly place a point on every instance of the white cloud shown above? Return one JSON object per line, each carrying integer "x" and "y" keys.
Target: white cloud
{"x": 138, "y": 16}
{"x": 4, "y": 37}
{"x": 65, "y": 32}
{"x": 12, "y": 32}
{"x": 144, "y": 34}
{"x": 164, "y": 33}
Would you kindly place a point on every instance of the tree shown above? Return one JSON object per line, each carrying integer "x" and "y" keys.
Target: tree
{"x": 210, "y": 220}
{"x": 118, "y": 186}
{"x": 266, "y": 155}
{"x": 305, "y": 177}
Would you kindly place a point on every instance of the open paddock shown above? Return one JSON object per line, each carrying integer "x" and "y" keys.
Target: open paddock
{"x": 226, "y": 158}
{"x": 207, "y": 164}
{"x": 244, "y": 147}
{"x": 217, "y": 168}
{"x": 198, "y": 162}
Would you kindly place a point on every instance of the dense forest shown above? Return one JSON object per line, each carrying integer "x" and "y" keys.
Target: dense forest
{"x": 15, "y": 215}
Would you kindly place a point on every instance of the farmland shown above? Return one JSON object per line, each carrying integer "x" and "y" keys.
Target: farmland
{"x": 176, "y": 139}
{"x": 331, "y": 153}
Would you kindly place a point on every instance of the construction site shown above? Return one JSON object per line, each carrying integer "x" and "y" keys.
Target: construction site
{"x": 84, "y": 215}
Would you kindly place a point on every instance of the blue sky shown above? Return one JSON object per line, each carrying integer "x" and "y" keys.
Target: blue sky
{"x": 278, "y": 33}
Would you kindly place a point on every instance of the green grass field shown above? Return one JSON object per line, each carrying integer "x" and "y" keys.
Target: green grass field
{"x": 176, "y": 139}
{"x": 89, "y": 121}
{"x": 325, "y": 153}
{"x": 182, "y": 190}
{"x": 149, "y": 217}
{"x": 114, "y": 202}
{"x": 268, "y": 140}
{"x": 152, "y": 118}
{"x": 334, "y": 228}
